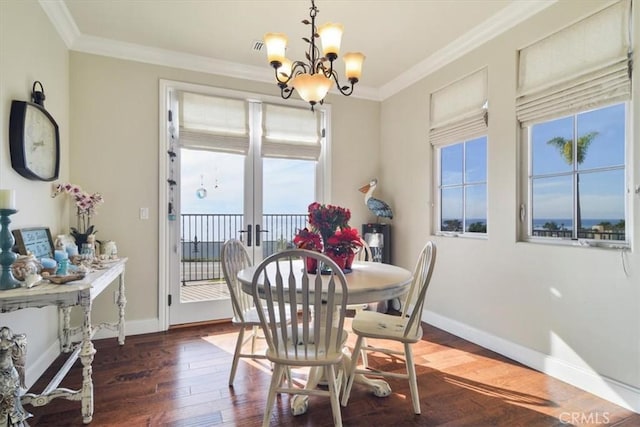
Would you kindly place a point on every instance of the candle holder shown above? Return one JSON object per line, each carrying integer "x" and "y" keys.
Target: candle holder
{"x": 7, "y": 257}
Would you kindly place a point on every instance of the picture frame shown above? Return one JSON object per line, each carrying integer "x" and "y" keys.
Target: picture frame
{"x": 36, "y": 240}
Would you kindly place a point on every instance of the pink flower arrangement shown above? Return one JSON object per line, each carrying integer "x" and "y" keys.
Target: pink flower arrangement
{"x": 85, "y": 205}
{"x": 85, "y": 202}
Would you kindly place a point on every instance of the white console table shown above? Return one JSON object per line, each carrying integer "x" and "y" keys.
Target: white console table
{"x": 78, "y": 293}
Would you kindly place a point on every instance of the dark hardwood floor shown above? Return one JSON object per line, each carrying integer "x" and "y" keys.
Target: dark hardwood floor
{"x": 179, "y": 378}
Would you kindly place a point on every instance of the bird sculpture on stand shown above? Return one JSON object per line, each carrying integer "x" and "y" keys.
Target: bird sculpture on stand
{"x": 379, "y": 208}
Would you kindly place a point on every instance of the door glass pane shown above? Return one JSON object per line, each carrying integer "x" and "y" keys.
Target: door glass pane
{"x": 552, "y": 203}
{"x": 288, "y": 189}
{"x": 211, "y": 202}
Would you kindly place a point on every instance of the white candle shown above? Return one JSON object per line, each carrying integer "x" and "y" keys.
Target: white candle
{"x": 7, "y": 199}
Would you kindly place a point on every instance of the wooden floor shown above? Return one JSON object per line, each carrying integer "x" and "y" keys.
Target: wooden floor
{"x": 179, "y": 378}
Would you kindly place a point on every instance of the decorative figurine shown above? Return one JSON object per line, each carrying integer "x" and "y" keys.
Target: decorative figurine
{"x": 13, "y": 353}
{"x": 379, "y": 208}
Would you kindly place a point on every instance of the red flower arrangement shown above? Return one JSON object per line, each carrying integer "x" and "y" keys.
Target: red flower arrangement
{"x": 345, "y": 241}
{"x": 306, "y": 239}
{"x": 330, "y": 232}
{"x": 326, "y": 219}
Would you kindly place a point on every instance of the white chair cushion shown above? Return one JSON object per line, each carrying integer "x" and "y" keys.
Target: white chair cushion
{"x": 372, "y": 324}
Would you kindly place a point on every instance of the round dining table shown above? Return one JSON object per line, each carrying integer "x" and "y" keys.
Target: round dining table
{"x": 367, "y": 282}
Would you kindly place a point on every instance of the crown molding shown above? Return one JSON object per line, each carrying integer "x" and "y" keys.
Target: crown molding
{"x": 63, "y": 22}
{"x": 507, "y": 18}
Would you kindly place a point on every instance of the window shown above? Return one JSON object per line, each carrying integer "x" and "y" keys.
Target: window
{"x": 574, "y": 119}
{"x": 463, "y": 187}
{"x": 577, "y": 182}
{"x": 458, "y": 129}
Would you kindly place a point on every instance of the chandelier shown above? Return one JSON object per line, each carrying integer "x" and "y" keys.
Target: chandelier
{"x": 313, "y": 78}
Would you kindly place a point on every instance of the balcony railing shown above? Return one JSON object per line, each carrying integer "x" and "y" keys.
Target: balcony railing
{"x": 204, "y": 234}
{"x": 582, "y": 234}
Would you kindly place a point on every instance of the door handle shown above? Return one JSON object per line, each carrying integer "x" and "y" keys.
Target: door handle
{"x": 258, "y": 231}
{"x": 248, "y": 231}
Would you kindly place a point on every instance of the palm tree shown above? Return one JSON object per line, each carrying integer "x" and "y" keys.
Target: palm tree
{"x": 565, "y": 147}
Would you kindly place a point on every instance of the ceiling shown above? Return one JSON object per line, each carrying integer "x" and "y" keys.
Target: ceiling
{"x": 403, "y": 40}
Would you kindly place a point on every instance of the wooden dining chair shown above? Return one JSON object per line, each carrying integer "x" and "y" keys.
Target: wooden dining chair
{"x": 406, "y": 329}
{"x": 315, "y": 336}
{"x": 245, "y": 315}
{"x": 364, "y": 254}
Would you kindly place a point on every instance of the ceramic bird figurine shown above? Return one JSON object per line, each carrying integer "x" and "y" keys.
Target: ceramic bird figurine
{"x": 379, "y": 208}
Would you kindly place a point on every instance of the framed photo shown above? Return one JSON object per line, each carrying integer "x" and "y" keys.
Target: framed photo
{"x": 36, "y": 240}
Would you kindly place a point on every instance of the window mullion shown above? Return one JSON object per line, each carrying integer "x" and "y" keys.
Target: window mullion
{"x": 576, "y": 180}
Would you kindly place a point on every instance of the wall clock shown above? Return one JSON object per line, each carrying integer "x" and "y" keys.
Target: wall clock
{"x": 34, "y": 141}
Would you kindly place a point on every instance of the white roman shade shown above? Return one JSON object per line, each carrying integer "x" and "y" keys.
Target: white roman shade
{"x": 214, "y": 123}
{"x": 290, "y": 132}
{"x": 459, "y": 110}
{"x": 583, "y": 66}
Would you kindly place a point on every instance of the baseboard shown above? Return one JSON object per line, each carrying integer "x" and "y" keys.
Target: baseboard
{"x": 35, "y": 369}
{"x": 609, "y": 389}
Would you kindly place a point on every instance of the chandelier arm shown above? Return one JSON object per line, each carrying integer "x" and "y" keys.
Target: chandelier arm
{"x": 347, "y": 90}
{"x": 285, "y": 91}
{"x": 282, "y": 82}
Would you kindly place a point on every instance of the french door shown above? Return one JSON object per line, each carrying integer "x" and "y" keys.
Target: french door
{"x": 252, "y": 185}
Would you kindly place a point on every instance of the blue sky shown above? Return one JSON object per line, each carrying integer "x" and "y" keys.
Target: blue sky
{"x": 288, "y": 184}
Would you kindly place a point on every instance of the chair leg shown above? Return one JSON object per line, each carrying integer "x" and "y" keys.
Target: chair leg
{"x": 363, "y": 353}
{"x": 352, "y": 370}
{"x": 365, "y": 360}
{"x": 234, "y": 364}
{"x": 330, "y": 373}
{"x": 413, "y": 381}
{"x": 276, "y": 379}
{"x": 254, "y": 337}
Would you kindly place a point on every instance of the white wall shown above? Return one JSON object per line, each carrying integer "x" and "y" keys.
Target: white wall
{"x": 570, "y": 311}
{"x": 114, "y": 122}
{"x": 31, "y": 50}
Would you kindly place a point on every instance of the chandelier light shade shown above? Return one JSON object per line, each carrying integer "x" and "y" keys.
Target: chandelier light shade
{"x": 313, "y": 78}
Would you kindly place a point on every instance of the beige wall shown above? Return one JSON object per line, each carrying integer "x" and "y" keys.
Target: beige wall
{"x": 114, "y": 122}
{"x": 30, "y": 50}
{"x": 564, "y": 308}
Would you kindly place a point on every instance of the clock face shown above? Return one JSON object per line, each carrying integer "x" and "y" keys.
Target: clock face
{"x": 34, "y": 142}
{"x": 39, "y": 143}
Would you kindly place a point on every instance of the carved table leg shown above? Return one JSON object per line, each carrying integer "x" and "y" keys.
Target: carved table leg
{"x": 65, "y": 329}
{"x": 122, "y": 301}
{"x": 87, "y": 352}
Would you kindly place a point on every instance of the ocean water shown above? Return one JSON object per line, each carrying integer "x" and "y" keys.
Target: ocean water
{"x": 567, "y": 223}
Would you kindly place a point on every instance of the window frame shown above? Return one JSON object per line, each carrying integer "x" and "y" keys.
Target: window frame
{"x": 464, "y": 185}
{"x": 526, "y": 205}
